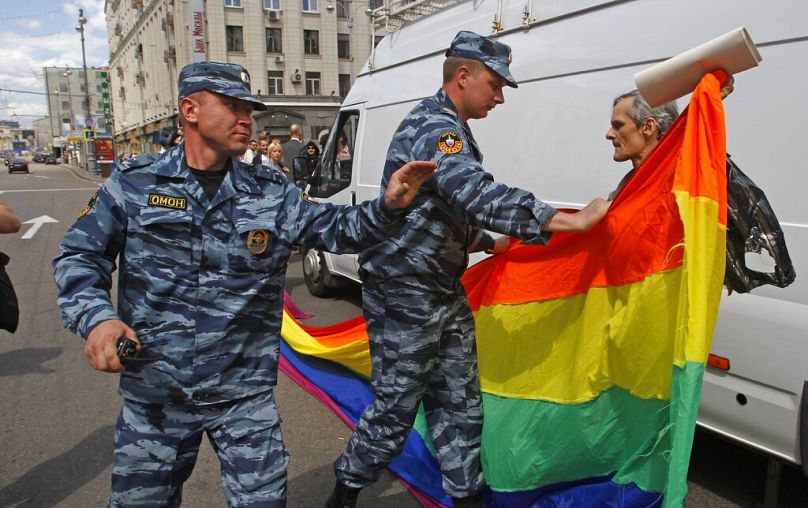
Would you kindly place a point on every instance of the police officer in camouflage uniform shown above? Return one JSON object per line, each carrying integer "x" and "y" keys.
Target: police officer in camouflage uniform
{"x": 202, "y": 241}
{"x": 418, "y": 319}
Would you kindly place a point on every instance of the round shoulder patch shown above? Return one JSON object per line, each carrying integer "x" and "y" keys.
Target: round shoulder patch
{"x": 449, "y": 142}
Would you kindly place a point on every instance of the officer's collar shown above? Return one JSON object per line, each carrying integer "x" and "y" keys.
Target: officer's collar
{"x": 174, "y": 165}
{"x": 446, "y": 102}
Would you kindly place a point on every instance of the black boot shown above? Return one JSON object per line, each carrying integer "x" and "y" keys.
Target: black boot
{"x": 475, "y": 501}
{"x": 342, "y": 496}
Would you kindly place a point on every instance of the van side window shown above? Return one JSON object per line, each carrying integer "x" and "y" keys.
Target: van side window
{"x": 336, "y": 167}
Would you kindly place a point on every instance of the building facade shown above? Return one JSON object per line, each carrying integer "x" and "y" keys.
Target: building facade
{"x": 302, "y": 56}
{"x": 43, "y": 135}
{"x": 9, "y": 133}
{"x": 67, "y": 97}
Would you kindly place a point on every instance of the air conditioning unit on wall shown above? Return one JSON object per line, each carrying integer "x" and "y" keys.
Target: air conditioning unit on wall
{"x": 278, "y": 58}
{"x": 272, "y": 14}
{"x": 296, "y": 77}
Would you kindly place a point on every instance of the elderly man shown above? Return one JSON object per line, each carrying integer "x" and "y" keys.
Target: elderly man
{"x": 203, "y": 241}
{"x": 419, "y": 322}
{"x": 636, "y": 127}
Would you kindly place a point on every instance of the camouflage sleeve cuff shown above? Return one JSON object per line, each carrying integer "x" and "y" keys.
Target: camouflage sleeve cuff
{"x": 380, "y": 213}
{"x": 482, "y": 242}
{"x": 94, "y": 317}
{"x": 543, "y": 213}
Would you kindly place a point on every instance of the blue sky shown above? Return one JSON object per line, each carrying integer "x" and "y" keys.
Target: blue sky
{"x": 42, "y": 33}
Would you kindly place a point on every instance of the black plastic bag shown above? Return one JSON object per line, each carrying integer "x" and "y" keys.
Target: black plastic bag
{"x": 9, "y": 307}
{"x": 752, "y": 227}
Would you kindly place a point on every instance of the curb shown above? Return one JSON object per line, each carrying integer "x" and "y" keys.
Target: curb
{"x": 83, "y": 174}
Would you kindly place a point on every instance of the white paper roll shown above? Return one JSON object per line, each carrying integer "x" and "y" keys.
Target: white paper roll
{"x": 678, "y": 76}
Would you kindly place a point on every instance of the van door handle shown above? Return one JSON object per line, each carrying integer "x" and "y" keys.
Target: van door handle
{"x": 353, "y": 198}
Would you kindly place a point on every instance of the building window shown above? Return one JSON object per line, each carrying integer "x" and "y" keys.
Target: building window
{"x": 311, "y": 42}
{"x": 62, "y": 87}
{"x": 376, "y": 39}
{"x": 272, "y": 5}
{"x": 235, "y": 38}
{"x": 344, "y": 45}
{"x": 232, "y": 3}
{"x": 65, "y": 105}
{"x": 344, "y": 84}
{"x": 309, "y": 5}
{"x": 312, "y": 83}
{"x": 274, "y": 44}
{"x": 342, "y": 12}
{"x": 275, "y": 82}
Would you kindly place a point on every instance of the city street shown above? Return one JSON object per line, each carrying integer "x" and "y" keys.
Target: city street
{"x": 57, "y": 414}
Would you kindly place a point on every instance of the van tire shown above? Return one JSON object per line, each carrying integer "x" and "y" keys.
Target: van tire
{"x": 315, "y": 273}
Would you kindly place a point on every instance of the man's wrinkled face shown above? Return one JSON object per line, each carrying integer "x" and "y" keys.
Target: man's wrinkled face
{"x": 263, "y": 146}
{"x": 629, "y": 141}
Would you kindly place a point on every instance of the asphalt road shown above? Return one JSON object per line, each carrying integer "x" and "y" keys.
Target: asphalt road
{"x": 57, "y": 413}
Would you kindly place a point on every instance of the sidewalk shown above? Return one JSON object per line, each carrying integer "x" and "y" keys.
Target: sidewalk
{"x": 82, "y": 173}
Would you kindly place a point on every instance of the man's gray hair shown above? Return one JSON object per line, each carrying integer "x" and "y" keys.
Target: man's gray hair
{"x": 640, "y": 111}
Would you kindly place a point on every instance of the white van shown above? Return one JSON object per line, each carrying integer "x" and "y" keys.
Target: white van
{"x": 571, "y": 59}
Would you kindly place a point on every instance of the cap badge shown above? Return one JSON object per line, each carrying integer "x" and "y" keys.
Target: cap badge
{"x": 257, "y": 241}
{"x": 449, "y": 141}
{"x": 510, "y": 58}
{"x": 245, "y": 78}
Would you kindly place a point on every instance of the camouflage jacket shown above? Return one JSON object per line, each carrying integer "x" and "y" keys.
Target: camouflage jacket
{"x": 451, "y": 210}
{"x": 200, "y": 282}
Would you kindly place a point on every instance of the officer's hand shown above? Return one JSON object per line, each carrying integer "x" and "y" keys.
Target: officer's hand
{"x": 101, "y": 345}
{"x": 579, "y": 221}
{"x": 405, "y": 182}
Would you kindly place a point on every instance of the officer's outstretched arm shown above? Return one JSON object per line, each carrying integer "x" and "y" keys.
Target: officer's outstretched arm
{"x": 579, "y": 221}
{"x": 405, "y": 182}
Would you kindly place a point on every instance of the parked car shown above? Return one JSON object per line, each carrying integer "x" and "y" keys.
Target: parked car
{"x": 17, "y": 164}
{"x": 40, "y": 157}
{"x": 50, "y": 159}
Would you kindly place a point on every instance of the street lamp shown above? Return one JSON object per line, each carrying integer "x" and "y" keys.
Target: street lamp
{"x": 88, "y": 120}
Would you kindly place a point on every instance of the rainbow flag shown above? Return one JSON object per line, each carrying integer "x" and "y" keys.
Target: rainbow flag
{"x": 591, "y": 349}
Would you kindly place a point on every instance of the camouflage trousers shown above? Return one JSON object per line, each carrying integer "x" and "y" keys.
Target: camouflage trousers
{"x": 156, "y": 447}
{"x": 423, "y": 350}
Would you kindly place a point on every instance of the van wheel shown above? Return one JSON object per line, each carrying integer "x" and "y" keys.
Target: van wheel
{"x": 315, "y": 273}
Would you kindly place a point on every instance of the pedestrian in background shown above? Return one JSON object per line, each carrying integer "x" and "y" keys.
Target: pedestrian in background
{"x": 249, "y": 155}
{"x": 275, "y": 159}
{"x": 312, "y": 157}
{"x": 294, "y": 147}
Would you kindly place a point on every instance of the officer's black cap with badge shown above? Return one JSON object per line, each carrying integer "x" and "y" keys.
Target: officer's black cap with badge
{"x": 231, "y": 80}
{"x": 494, "y": 54}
